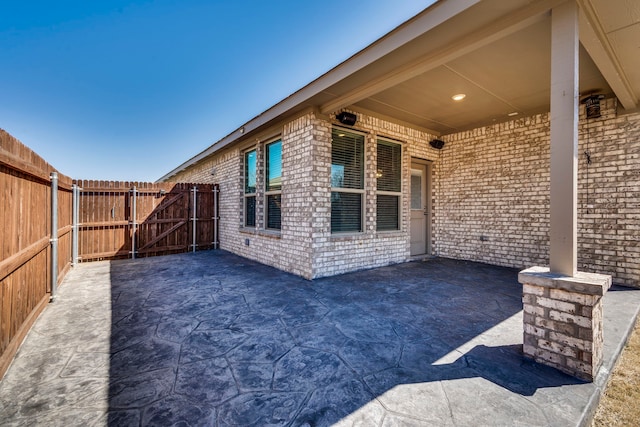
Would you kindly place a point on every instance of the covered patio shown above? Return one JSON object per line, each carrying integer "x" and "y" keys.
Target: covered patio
{"x": 211, "y": 338}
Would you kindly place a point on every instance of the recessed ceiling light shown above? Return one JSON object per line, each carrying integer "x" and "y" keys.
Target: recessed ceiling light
{"x": 459, "y": 97}
{"x": 514, "y": 113}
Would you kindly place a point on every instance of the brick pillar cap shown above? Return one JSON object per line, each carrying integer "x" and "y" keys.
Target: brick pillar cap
{"x": 582, "y": 283}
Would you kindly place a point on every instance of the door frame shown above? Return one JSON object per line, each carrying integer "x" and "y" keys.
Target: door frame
{"x": 428, "y": 167}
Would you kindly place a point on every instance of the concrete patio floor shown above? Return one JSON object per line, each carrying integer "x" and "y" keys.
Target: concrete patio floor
{"x": 214, "y": 339}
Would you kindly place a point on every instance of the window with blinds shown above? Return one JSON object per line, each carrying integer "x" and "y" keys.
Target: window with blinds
{"x": 389, "y": 185}
{"x": 250, "y": 178}
{"x": 273, "y": 186}
{"x": 347, "y": 181}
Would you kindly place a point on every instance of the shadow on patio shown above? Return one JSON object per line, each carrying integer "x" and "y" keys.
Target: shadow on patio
{"x": 214, "y": 339}
{"x": 226, "y": 339}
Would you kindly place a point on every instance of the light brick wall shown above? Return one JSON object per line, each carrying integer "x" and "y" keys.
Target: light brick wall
{"x": 609, "y": 233}
{"x": 490, "y": 197}
{"x": 335, "y": 254}
{"x": 305, "y": 245}
{"x": 289, "y": 250}
{"x": 494, "y": 194}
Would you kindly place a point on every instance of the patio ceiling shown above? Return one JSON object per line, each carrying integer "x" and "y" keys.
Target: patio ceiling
{"x": 496, "y": 52}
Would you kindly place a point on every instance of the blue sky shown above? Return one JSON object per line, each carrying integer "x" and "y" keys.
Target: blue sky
{"x": 128, "y": 90}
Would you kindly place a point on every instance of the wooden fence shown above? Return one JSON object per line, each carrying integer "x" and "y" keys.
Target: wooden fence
{"x": 26, "y": 267}
{"x": 128, "y": 220}
{"x": 94, "y": 220}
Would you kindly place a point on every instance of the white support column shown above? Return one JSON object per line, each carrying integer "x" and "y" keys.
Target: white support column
{"x": 562, "y": 316}
{"x": 564, "y": 139}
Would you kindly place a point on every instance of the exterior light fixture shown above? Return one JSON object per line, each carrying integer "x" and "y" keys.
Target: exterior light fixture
{"x": 592, "y": 105}
{"x": 459, "y": 97}
{"x": 348, "y": 119}
{"x": 379, "y": 173}
{"x": 437, "y": 144}
{"x": 513, "y": 114}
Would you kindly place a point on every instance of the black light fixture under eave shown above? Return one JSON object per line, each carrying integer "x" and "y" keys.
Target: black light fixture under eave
{"x": 592, "y": 105}
{"x": 348, "y": 119}
{"x": 437, "y": 144}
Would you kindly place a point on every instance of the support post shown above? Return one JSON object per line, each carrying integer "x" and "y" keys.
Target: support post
{"x": 75, "y": 227}
{"x": 194, "y": 218}
{"x": 54, "y": 235}
{"x": 564, "y": 139}
{"x": 562, "y": 319}
{"x": 134, "y": 222}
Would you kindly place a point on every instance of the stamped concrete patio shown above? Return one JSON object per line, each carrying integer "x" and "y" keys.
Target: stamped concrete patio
{"x": 214, "y": 339}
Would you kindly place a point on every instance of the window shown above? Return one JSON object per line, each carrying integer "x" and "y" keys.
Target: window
{"x": 389, "y": 185}
{"x": 250, "y": 176}
{"x": 273, "y": 187}
{"x": 347, "y": 181}
{"x": 416, "y": 189}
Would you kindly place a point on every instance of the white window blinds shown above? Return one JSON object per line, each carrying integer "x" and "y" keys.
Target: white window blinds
{"x": 347, "y": 181}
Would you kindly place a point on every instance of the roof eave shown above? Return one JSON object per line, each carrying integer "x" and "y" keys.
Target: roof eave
{"x": 431, "y": 17}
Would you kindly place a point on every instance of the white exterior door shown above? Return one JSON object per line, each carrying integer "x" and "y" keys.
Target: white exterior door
{"x": 420, "y": 208}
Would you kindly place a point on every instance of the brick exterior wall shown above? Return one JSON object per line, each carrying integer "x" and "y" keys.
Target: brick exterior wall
{"x": 305, "y": 246}
{"x": 494, "y": 194}
{"x": 609, "y": 231}
{"x": 290, "y": 249}
{"x": 490, "y": 196}
{"x": 335, "y": 254}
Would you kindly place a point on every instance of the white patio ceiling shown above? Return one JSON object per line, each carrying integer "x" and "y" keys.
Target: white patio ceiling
{"x": 496, "y": 52}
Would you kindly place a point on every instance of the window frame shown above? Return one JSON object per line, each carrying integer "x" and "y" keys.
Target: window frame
{"x": 268, "y": 192}
{"x": 246, "y": 195}
{"x": 397, "y": 194}
{"x": 361, "y": 191}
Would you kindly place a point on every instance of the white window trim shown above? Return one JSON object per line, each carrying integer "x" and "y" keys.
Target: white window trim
{"x": 354, "y": 190}
{"x": 264, "y": 184}
{"x": 246, "y": 195}
{"x": 391, "y": 193}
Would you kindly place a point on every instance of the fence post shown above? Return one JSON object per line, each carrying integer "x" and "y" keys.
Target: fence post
{"x": 74, "y": 229}
{"x": 194, "y": 217}
{"x": 54, "y": 235}
{"x": 134, "y": 223}
{"x": 216, "y": 191}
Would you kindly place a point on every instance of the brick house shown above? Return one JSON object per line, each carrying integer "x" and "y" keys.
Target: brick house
{"x": 375, "y": 163}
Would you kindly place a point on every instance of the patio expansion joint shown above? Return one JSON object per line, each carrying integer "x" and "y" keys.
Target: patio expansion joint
{"x": 446, "y": 396}
{"x": 399, "y": 414}
{"x": 539, "y": 408}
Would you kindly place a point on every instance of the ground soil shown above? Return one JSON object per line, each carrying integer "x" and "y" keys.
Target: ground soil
{"x": 620, "y": 404}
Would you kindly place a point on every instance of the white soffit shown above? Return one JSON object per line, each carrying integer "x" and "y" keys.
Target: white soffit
{"x": 610, "y": 31}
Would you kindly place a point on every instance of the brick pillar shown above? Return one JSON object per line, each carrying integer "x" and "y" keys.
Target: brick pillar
{"x": 563, "y": 320}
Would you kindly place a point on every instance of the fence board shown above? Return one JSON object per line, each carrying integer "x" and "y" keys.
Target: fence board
{"x": 163, "y": 218}
{"x": 12, "y": 263}
{"x": 25, "y": 197}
